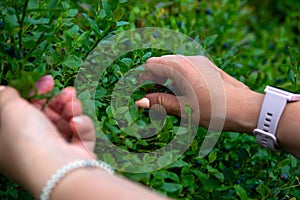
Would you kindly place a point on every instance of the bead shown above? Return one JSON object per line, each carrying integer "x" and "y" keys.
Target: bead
{"x": 50, "y": 185}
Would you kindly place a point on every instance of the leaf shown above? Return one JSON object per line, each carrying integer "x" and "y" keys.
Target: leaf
{"x": 122, "y": 23}
{"x": 73, "y": 62}
{"x": 165, "y": 159}
{"x": 72, "y": 12}
{"x": 209, "y": 40}
{"x": 180, "y": 130}
{"x": 240, "y": 192}
{"x": 178, "y": 163}
{"x": 263, "y": 190}
{"x": 107, "y": 9}
{"x": 147, "y": 158}
{"x": 10, "y": 22}
{"x": 33, "y": 4}
{"x": 92, "y": 23}
{"x": 187, "y": 180}
{"x": 228, "y": 174}
{"x": 127, "y": 61}
{"x": 291, "y": 76}
{"x": 293, "y": 56}
{"x": 212, "y": 156}
{"x": 146, "y": 56}
{"x": 171, "y": 187}
{"x": 243, "y": 155}
{"x": 26, "y": 82}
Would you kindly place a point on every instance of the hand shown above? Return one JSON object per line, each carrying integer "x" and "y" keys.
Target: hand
{"x": 32, "y": 147}
{"x": 199, "y": 83}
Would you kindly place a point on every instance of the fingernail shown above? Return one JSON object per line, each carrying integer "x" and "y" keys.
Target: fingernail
{"x": 143, "y": 103}
{"x": 45, "y": 80}
{"x": 77, "y": 120}
{"x": 2, "y": 87}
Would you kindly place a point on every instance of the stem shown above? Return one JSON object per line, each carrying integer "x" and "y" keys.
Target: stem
{"x": 96, "y": 43}
{"x": 21, "y": 21}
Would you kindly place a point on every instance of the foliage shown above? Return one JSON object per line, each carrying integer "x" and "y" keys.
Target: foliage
{"x": 246, "y": 39}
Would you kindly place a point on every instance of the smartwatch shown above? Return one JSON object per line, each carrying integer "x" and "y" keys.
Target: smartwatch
{"x": 273, "y": 105}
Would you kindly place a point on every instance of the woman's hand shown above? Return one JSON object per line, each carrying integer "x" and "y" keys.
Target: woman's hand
{"x": 35, "y": 143}
{"x": 213, "y": 88}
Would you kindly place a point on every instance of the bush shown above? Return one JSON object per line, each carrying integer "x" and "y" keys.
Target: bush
{"x": 247, "y": 40}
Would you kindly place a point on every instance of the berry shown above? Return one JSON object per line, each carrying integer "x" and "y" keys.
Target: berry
{"x": 284, "y": 177}
{"x": 1, "y": 24}
{"x": 265, "y": 61}
{"x": 208, "y": 12}
{"x": 179, "y": 24}
{"x": 29, "y": 33}
{"x": 127, "y": 43}
{"x": 237, "y": 166}
{"x": 155, "y": 35}
{"x": 225, "y": 46}
{"x": 9, "y": 51}
{"x": 238, "y": 181}
{"x": 272, "y": 46}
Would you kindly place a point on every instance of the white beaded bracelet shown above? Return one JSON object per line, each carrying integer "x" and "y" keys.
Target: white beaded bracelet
{"x": 50, "y": 185}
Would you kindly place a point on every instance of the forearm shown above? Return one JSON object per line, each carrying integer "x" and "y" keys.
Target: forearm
{"x": 288, "y": 131}
{"x": 83, "y": 183}
{"x": 96, "y": 184}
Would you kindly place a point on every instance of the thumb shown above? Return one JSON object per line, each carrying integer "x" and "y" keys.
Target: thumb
{"x": 7, "y": 94}
{"x": 168, "y": 101}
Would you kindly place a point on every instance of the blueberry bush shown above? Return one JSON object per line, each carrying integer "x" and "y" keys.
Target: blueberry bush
{"x": 256, "y": 42}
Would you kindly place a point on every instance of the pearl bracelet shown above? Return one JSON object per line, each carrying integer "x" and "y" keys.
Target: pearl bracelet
{"x": 50, "y": 185}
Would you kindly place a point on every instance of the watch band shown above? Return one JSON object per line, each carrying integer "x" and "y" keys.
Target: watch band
{"x": 273, "y": 105}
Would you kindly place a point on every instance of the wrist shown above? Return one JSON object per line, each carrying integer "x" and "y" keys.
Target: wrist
{"x": 244, "y": 114}
{"x": 39, "y": 167}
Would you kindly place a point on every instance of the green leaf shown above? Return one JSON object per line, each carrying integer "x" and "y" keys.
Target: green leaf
{"x": 187, "y": 180}
{"x": 72, "y": 12}
{"x": 11, "y": 22}
{"x": 107, "y": 9}
{"x": 243, "y": 155}
{"x": 122, "y": 23}
{"x": 209, "y": 40}
{"x": 212, "y": 156}
{"x": 73, "y": 62}
{"x": 165, "y": 159}
{"x": 178, "y": 163}
{"x": 127, "y": 61}
{"x": 291, "y": 76}
{"x": 228, "y": 174}
{"x": 240, "y": 192}
{"x": 263, "y": 190}
{"x": 147, "y": 158}
{"x": 171, "y": 187}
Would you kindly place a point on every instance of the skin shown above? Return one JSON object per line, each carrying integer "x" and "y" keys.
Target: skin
{"x": 34, "y": 144}
{"x": 242, "y": 104}
{"x": 37, "y": 146}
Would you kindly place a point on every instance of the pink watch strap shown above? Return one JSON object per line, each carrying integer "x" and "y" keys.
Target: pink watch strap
{"x": 270, "y": 113}
{"x": 274, "y": 103}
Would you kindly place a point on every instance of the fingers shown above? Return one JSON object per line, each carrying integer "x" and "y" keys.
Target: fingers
{"x": 84, "y": 131}
{"x": 58, "y": 102}
{"x": 44, "y": 85}
{"x": 168, "y": 101}
{"x": 71, "y": 109}
{"x": 62, "y": 108}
